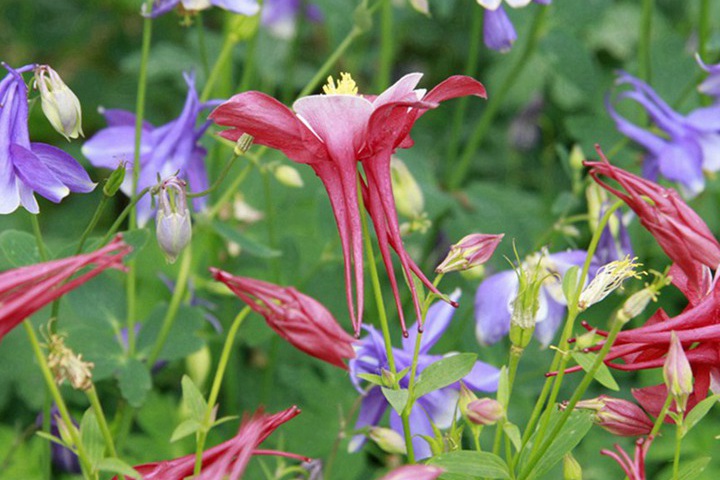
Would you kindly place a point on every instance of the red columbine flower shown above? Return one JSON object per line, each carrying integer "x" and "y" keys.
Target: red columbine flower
{"x": 618, "y": 416}
{"x": 633, "y": 468}
{"x": 681, "y": 233}
{"x": 299, "y": 319}
{"x": 332, "y": 133}
{"x": 25, "y": 290}
{"x": 229, "y": 459}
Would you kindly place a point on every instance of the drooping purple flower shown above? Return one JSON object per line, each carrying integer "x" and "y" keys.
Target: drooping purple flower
{"x": 438, "y": 406}
{"x": 498, "y": 31}
{"x": 165, "y": 150}
{"x": 711, "y": 84}
{"x": 161, "y": 7}
{"x": 63, "y": 459}
{"x": 28, "y": 167}
{"x": 690, "y": 144}
{"x": 495, "y": 296}
{"x": 614, "y": 243}
{"x": 280, "y": 16}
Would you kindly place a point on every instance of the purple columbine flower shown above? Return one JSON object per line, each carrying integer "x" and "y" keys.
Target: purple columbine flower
{"x": 279, "y": 16}
{"x": 498, "y": 31}
{"x": 690, "y": 146}
{"x": 165, "y": 150}
{"x": 242, "y": 7}
{"x": 438, "y": 406}
{"x": 711, "y": 85}
{"x": 27, "y": 168}
{"x": 495, "y": 296}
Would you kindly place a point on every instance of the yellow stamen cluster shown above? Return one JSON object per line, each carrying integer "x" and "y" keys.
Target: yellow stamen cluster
{"x": 608, "y": 278}
{"x": 345, "y": 86}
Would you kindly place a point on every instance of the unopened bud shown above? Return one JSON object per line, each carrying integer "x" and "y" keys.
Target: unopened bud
{"x": 466, "y": 396}
{"x": 414, "y": 472}
{"x": 243, "y": 144}
{"x": 67, "y": 365}
{"x": 596, "y": 197}
{"x": 115, "y": 180}
{"x": 618, "y": 416}
{"x": 288, "y": 176}
{"x": 59, "y": 103}
{"x": 485, "y": 411}
{"x": 173, "y": 226}
{"x": 571, "y": 468}
{"x": 388, "y": 440}
{"x": 473, "y": 250}
{"x": 677, "y": 373}
{"x": 608, "y": 278}
{"x": 198, "y": 365}
{"x": 409, "y": 199}
{"x": 638, "y": 301}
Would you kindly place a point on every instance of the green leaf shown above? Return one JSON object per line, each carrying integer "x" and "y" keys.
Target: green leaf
{"x": 115, "y": 465}
{"x": 574, "y": 430}
{"x": 224, "y": 419}
{"x": 397, "y": 398}
{"x": 193, "y": 399}
{"x": 135, "y": 382}
{"x": 513, "y": 433}
{"x": 444, "y": 372}
{"x": 374, "y": 379}
{"x": 699, "y": 411}
{"x": 692, "y": 469}
{"x": 19, "y": 248}
{"x": 187, "y": 427}
{"x": 51, "y": 438}
{"x": 570, "y": 284}
{"x": 182, "y": 340}
{"x": 91, "y": 437}
{"x": 603, "y": 375}
{"x": 474, "y": 464}
{"x": 247, "y": 244}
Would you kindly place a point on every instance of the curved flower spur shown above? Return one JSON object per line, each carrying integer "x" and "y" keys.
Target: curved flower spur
{"x": 334, "y": 132}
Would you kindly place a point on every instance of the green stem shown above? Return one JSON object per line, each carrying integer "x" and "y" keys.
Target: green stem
{"x": 270, "y": 222}
{"x": 38, "y": 237}
{"x": 121, "y": 218}
{"x": 202, "y": 48}
{"x": 330, "y": 62}
{"x": 661, "y": 417}
{"x": 459, "y": 172}
{"x": 679, "y": 433}
{"x": 249, "y": 65}
{"x": 645, "y": 40}
{"x": 513, "y": 362}
{"x": 57, "y": 397}
{"x": 470, "y": 70}
{"x": 93, "y": 221}
{"x": 386, "y": 46}
{"x": 217, "y": 382}
{"x": 225, "y": 55}
{"x": 229, "y": 192}
{"x": 171, "y": 313}
{"x": 102, "y": 421}
{"x": 408, "y": 438}
{"x": 218, "y": 181}
{"x": 579, "y": 392}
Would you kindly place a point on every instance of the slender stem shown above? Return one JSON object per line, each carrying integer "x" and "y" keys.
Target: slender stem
{"x": 229, "y": 192}
{"x": 38, "y": 237}
{"x": 271, "y": 218}
{"x": 678, "y": 443}
{"x": 661, "y": 417}
{"x": 645, "y": 40}
{"x": 513, "y": 362}
{"x": 331, "y": 60}
{"x": 57, "y": 397}
{"x": 93, "y": 221}
{"x": 579, "y": 392}
{"x": 218, "y": 181}
{"x": 386, "y": 46}
{"x": 458, "y": 172}
{"x": 202, "y": 48}
{"x": 704, "y": 19}
{"x": 102, "y": 421}
{"x": 121, "y": 218}
{"x": 217, "y": 382}
{"x": 249, "y": 65}
{"x": 171, "y": 313}
{"x": 408, "y": 438}
{"x": 470, "y": 70}
{"x": 225, "y": 55}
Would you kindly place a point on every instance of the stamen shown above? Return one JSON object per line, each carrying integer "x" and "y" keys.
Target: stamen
{"x": 345, "y": 86}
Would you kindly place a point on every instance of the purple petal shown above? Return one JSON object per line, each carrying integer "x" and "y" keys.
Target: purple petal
{"x": 493, "y": 306}
{"x": 112, "y": 145}
{"x": 682, "y": 162}
{"x": 482, "y": 377}
{"x": 372, "y": 408}
{"x": 160, "y": 7}
{"x": 706, "y": 119}
{"x": 33, "y": 172}
{"x": 438, "y": 318}
{"x": 65, "y": 167}
{"x": 498, "y": 31}
{"x": 242, "y": 7}
{"x": 546, "y": 326}
{"x": 419, "y": 425}
{"x": 649, "y": 141}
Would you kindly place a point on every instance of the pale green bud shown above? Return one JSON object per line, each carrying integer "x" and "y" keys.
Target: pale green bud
{"x": 198, "y": 365}
{"x": 409, "y": 199}
{"x": 173, "y": 226}
{"x": 59, "y": 103}
{"x": 388, "y": 440}
{"x": 288, "y": 176}
{"x": 571, "y": 468}
{"x": 115, "y": 180}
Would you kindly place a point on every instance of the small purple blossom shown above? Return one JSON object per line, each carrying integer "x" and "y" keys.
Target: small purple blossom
{"x": 63, "y": 459}
{"x": 438, "y": 406}
{"x": 280, "y": 16}
{"x": 27, "y": 168}
{"x": 711, "y": 84}
{"x": 498, "y": 31}
{"x": 690, "y": 144}
{"x": 161, "y": 7}
{"x": 165, "y": 150}
{"x": 495, "y": 296}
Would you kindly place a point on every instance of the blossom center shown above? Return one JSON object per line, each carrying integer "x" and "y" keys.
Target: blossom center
{"x": 345, "y": 86}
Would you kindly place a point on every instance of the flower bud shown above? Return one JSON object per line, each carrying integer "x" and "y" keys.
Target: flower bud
{"x": 414, "y": 472}
{"x": 466, "y": 397}
{"x": 618, "y": 416}
{"x": 243, "y": 144}
{"x": 527, "y": 302}
{"x": 409, "y": 199}
{"x": 677, "y": 373}
{"x": 473, "y": 250}
{"x": 388, "y": 440}
{"x": 485, "y": 411}
{"x": 198, "y": 365}
{"x": 59, "y": 103}
{"x": 571, "y": 468}
{"x": 115, "y": 180}
{"x": 608, "y": 278}
{"x": 173, "y": 227}
{"x": 288, "y": 176}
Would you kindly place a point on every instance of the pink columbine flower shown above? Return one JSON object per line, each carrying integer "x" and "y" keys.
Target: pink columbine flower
{"x": 414, "y": 472}
{"x": 25, "y": 290}
{"x": 334, "y": 132}
{"x": 681, "y": 233}
{"x": 229, "y": 459}
{"x": 633, "y": 468}
{"x": 299, "y": 319}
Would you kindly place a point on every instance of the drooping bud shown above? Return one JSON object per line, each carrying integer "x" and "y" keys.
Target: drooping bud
{"x": 571, "y": 468}
{"x": 677, "y": 373}
{"x": 526, "y": 303}
{"x": 388, "y": 440}
{"x": 59, "y": 103}
{"x": 466, "y": 396}
{"x": 115, "y": 180}
{"x": 243, "y": 144}
{"x": 288, "y": 176}
{"x": 608, "y": 278}
{"x": 173, "y": 226}
{"x": 409, "y": 199}
{"x": 67, "y": 365}
{"x": 485, "y": 411}
{"x": 618, "y": 416}
{"x": 473, "y": 250}
{"x": 638, "y": 301}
